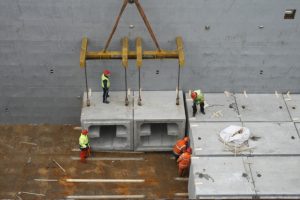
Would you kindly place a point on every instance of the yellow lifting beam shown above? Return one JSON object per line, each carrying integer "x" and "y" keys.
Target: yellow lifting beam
{"x": 154, "y": 54}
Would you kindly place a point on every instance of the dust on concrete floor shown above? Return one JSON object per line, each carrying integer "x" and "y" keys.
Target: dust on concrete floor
{"x": 27, "y": 151}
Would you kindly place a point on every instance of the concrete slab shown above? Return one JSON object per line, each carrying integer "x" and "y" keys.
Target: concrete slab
{"x": 159, "y": 122}
{"x": 262, "y": 107}
{"x": 220, "y": 177}
{"x": 218, "y": 107}
{"x": 276, "y": 177}
{"x": 204, "y": 139}
{"x": 267, "y": 138}
{"x": 293, "y": 104}
{"x": 110, "y": 125}
{"x": 270, "y": 138}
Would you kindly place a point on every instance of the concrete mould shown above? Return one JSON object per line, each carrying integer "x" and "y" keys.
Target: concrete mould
{"x": 262, "y": 107}
{"x": 267, "y": 138}
{"x": 159, "y": 122}
{"x": 218, "y": 107}
{"x": 293, "y": 104}
{"x": 220, "y": 177}
{"x": 110, "y": 125}
{"x": 241, "y": 177}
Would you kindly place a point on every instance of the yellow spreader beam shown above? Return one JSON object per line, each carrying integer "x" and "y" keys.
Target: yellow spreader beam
{"x": 138, "y": 54}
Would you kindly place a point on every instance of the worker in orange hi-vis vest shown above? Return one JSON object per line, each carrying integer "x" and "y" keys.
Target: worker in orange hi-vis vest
{"x": 184, "y": 162}
{"x": 180, "y": 147}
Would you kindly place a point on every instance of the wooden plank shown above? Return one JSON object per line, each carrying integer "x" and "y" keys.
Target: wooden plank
{"x": 139, "y": 52}
{"x": 181, "y": 59}
{"x": 106, "y": 197}
{"x": 45, "y": 180}
{"x": 83, "y": 52}
{"x": 125, "y": 52}
{"x": 105, "y": 180}
{"x": 181, "y": 194}
{"x": 111, "y": 158}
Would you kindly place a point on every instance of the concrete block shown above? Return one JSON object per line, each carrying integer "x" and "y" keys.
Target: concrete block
{"x": 220, "y": 177}
{"x": 293, "y": 104}
{"x": 276, "y": 177}
{"x": 270, "y": 138}
{"x": 219, "y": 107}
{"x": 159, "y": 122}
{"x": 262, "y": 107}
{"x": 110, "y": 125}
{"x": 204, "y": 139}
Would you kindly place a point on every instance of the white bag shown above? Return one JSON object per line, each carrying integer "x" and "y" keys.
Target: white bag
{"x": 235, "y": 134}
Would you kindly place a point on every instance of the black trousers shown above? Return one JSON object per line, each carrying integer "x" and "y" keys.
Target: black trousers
{"x": 195, "y": 108}
{"x": 105, "y": 94}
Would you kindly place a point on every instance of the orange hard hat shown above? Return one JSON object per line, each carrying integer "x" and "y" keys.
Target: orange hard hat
{"x": 84, "y": 132}
{"x": 193, "y": 95}
{"x": 189, "y": 150}
{"x": 186, "y": 139}
{"x": 106, "y": 72}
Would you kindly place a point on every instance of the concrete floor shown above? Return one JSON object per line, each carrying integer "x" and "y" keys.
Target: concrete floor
{"x": 23, "y": 162}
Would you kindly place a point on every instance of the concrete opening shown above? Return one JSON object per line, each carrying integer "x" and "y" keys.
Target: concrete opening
{"x": 158, "y": 134}
{"x": 289, "y": 14}
{"x": 108, "y": 136}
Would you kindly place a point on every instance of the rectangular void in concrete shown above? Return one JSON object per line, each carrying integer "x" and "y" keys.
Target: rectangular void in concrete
{"x": 205, "y": 140}
{"x": 276, "y": 177}
{"x": 262, "y": 107}
{"x": 159, "y": 122}
{"x": 110, "y": 125}
{"x": 273, "y": 138}
{"x": 220, "y": 177}
{"x": 293, "y": 104}
{"x": 219, "y": 107}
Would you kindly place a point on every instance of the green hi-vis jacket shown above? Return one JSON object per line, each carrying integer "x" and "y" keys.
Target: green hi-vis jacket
{"x": 83, "y": 141}
{"x": 103, "y": 78}
{"x": 200, "y": 97}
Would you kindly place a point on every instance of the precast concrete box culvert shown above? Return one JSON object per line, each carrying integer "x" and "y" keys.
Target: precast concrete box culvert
{"x": 110, "y": 125}
{"x": 159, "y": 122}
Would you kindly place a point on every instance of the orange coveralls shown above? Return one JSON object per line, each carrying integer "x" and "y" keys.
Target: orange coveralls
{"x": 184, "y": 162}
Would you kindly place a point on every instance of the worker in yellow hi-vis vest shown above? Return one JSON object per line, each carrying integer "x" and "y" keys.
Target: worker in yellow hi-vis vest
{"x": 198, "y": 98}
{"x": 85, "y": 149}
{"x": 105, "y": 84}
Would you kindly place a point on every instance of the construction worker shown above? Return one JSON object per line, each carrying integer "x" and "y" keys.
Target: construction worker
{"x": 184, "y": 161}
{"x": 85, "y": 149}
{"x": 198, "y": 98}
{"x": 180, "y": 147}
{"x": 105, "y": 84}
